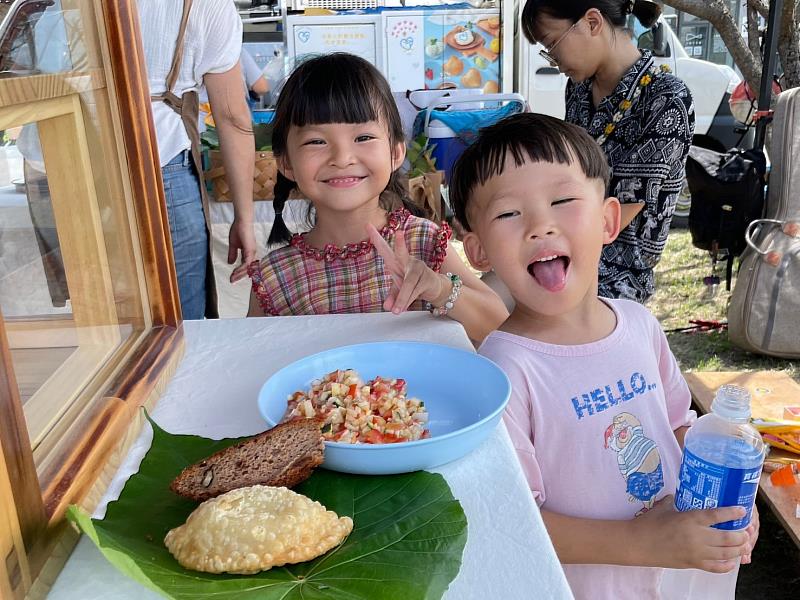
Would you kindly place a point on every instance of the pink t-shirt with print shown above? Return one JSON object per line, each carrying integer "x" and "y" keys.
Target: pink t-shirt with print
{"x": 593, "y": 426}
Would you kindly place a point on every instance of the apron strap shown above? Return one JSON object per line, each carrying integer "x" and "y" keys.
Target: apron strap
{"x": 177, "y": 59}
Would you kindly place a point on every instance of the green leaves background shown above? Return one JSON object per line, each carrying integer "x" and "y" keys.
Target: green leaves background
{"x": 408, "y": 537}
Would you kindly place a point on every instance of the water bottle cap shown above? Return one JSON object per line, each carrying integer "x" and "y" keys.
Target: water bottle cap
{"x": 732, "y": 402}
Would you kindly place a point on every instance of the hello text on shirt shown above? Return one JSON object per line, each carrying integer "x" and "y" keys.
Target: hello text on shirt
{"x": 600, "y": 399}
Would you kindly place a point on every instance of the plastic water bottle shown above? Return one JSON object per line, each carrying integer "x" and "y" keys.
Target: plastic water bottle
{"x": 722, "y": 459}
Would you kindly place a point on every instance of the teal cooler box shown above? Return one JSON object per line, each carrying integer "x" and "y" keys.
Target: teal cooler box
{"x": 449, "y": 132}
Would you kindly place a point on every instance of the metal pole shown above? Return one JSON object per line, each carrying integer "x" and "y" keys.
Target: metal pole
{"x": 770, "y": 53}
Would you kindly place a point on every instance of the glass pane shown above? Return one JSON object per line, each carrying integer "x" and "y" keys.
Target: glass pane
{"x": 32, "y": 278}
{"x": 42, "y": 37}
{"x": 70, "y": 266}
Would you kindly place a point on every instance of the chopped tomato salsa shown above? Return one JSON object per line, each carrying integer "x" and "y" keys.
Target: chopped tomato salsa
{"x": 378, "y": 412}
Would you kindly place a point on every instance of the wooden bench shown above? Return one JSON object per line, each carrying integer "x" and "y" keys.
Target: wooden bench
{"x": 770, "y": 391}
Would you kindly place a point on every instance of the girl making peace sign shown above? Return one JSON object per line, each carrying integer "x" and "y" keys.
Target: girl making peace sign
{"x": 338, "y": 139}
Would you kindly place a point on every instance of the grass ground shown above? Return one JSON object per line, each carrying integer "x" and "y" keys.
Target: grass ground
{"x": 681, "y": 296}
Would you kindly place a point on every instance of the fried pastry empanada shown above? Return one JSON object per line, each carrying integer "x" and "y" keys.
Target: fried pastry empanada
{"x": 255, "y": 528}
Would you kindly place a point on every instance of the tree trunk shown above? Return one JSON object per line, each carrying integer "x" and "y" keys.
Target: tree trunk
{"x": 752, "y": 32}
{"x": 789, "y": 45}
{"x": 716, "y": 12}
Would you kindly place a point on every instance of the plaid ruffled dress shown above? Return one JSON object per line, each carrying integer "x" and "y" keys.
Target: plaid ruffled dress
{"x": 299, "y": 279}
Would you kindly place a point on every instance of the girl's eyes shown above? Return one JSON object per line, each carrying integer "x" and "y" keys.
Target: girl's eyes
{"x": 562, "y": 201}
{"x": 508, "y": 214}
{"x": 366, "y": 137}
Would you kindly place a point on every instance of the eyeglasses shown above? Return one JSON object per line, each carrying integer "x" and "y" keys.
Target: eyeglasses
{"x": 546, "y": 53}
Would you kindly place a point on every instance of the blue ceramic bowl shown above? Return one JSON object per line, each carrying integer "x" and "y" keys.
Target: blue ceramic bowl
{"x": 464, "y": 393}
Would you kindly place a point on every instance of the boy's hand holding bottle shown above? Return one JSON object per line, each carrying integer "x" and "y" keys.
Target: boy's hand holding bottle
{"x": 682, "y": 540}
{"x": 411, "y": 278}
{"x": 722, "y": 459}
{"x": 752, "y": 536}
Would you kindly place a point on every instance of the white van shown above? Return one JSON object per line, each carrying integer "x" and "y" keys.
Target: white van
{"x": 711, "y": 84}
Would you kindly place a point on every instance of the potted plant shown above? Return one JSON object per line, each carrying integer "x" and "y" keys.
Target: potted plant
{"x": 424, "y": 180}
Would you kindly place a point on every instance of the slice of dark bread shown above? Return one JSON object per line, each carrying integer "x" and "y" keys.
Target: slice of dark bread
{"x": 282, "y": 456}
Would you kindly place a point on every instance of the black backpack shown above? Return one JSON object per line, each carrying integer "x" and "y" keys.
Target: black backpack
{"x": 727, "y": 195}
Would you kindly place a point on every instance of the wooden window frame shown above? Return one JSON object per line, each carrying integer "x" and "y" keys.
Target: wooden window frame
{"x": 32, "y": 528}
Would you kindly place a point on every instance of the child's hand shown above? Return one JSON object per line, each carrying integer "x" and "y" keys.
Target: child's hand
{"x": 411, "y": 278}
{"x": 752, "y": 536}
{"x": 682, "y": 540}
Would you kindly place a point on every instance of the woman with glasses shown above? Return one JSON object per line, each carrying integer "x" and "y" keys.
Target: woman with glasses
{"x": 641, "y": 115}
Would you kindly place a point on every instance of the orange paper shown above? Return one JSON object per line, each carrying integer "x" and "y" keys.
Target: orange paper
{"x": 783, "y": 476}
{"x": 791, "y": 413}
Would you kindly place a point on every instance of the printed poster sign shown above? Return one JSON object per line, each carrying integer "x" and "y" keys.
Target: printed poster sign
{"x": 355, "y": 38}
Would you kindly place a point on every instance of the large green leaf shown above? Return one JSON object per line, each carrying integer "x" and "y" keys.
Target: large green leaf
{"x": 408, "y": 536}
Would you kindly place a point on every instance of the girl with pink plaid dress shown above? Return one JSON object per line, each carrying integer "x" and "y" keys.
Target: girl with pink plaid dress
{"x": 338, "y": 139}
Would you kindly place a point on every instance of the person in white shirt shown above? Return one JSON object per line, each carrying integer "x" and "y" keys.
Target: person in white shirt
{"x": 254, "y": 78}
{"x": 188, "y": 44}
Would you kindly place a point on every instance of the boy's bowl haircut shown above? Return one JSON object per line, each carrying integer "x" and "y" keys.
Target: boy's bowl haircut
{"x": 526, "y": 137}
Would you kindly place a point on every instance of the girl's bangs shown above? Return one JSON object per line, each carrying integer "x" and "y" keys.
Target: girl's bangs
{"x": 333, "y": 98}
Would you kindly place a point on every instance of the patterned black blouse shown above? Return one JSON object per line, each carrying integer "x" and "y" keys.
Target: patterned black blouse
{"x": 647, "y": 153}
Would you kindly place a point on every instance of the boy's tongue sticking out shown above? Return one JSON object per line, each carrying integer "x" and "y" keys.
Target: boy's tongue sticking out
{"x": 550, "y": 272}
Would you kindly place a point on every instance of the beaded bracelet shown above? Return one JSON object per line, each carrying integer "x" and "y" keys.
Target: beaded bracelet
{"x": 451, "y": 299}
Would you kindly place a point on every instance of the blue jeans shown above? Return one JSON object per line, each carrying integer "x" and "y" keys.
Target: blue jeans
{"x": 187, "y": 225}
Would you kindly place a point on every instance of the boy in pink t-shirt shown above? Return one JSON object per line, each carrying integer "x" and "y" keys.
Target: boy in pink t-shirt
{"x": 599, "y": 408}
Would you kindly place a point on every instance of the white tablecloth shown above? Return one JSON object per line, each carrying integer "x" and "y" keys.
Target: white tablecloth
{"x": 508, "y": 554}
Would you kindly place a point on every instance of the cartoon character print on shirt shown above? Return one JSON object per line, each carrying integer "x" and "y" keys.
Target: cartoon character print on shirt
{"x": 637, "y": 458}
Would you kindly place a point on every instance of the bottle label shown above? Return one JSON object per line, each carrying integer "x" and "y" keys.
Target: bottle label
{"x": 708, "y": 485}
